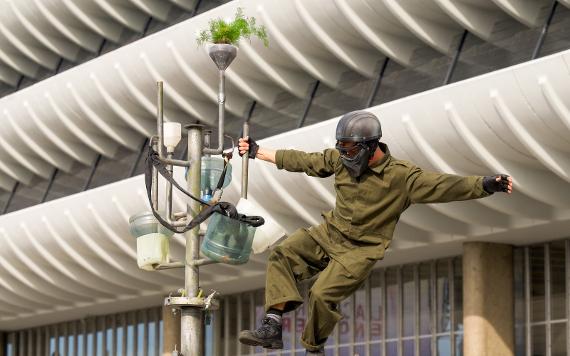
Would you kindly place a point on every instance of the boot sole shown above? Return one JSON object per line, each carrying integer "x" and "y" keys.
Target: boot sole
{"x": 253, "y": 341}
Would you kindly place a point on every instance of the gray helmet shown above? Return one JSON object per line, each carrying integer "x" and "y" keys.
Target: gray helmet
{"x": 358, "y": 126}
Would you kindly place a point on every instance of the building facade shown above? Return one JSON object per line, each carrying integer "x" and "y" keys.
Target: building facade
{"x": 461, "y": 87}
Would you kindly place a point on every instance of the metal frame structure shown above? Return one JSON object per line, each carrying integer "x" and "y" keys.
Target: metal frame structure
{"x": 542, "y": 301}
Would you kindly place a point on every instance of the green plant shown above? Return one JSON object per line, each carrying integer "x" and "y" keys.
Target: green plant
{"x": 220, "y": 31}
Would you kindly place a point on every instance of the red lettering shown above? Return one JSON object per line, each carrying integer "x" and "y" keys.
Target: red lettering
{"x": 300, "y": 325}
{"x": 375, "y": 330}
{"x": 360, "y": 311}
{"x": 286, "y": 324}
{"x": 359, "y": 331}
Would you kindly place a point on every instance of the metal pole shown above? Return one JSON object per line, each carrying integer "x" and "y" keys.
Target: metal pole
{"x": 245, "y": 164}
{"x": 544, "y": 30}
{"x": 455, "y": 58}
{"x": 192, "y": 325}
{"x": 169, "y": 167}
{"x": 308, "y": 104}
{"x": 154, "y": 192}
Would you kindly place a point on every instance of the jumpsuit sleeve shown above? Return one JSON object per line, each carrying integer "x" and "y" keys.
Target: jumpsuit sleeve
{"x": 431, "y": 187}
{"x": 314, "y": 164}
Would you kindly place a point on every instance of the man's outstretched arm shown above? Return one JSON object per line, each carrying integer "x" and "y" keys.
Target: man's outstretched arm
{"x": 261, "y": 153}
{"x": 431, "y": 187}
{"x": 316, "y": 164}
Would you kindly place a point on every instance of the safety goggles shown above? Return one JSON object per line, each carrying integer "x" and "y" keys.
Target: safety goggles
{"x": 350, "y": 151}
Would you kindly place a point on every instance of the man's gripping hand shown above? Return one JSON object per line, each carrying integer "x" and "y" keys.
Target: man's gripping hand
{"x": 245, "y": 144}
{"x": 498, "y": 183}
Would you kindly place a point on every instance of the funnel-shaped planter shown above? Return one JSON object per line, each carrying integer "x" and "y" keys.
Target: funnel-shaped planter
{"x": 222, "y": 54}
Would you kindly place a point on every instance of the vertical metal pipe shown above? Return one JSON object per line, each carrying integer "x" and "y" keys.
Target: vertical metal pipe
{"x": 417, "y": 310}
{"x": 455, "y": 58}
{"x": 527, "y": 301}
{"x": 92, "y": 172}
{"x": 104, "y": 335}
{"x": 547, "y": 296}
{"x": 400, "y": 307}
{"x": 125, "y": 326}
{"x": 308, "y": 104}
{"x": 156, "y": 317}
{"x": 239, "y": 318}
{"x": 21, "y": 344}
{"x": 169, "y": 167}
{"x": 114, "y": 335}
{"x": 50, "y": 184}
{"x": 84, "y": 331}
{"x": 352, "y": 325}
{"x": 154, "y": 190}
{"x": 30, "y": 341}
{"x": 12, "y": 194}
{"x": 544, "y": 30}
{"x": 221, "y": 114}
{"x": 451, "y": 284}
{"x": 377, "y": 83}
{"x": 145, "y": 337}
{"x": 39, "y": 350}
{"x": 192, "y": 326}
{"x": 65, "y": 340}
{"x": 245, "y": 164}
{"x": 384, "y": 294}
{"x": 95, "y": 338}
{"x": 367, "y": 310}
{"x": 160, "y": 117}
{"x": 56, "y": 339}
{"x": 135, "y": 333}
{"x": 226, "y": 326}
{"x": 433, "y": 311}
{"x": 567, "y": 270}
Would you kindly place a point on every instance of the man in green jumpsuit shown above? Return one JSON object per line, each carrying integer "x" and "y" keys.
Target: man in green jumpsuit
{"x": 372, "y": 190}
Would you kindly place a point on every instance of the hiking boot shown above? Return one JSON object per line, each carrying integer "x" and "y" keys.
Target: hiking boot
{"x": 321, "y": 352}
{"x": 268, "y": 335}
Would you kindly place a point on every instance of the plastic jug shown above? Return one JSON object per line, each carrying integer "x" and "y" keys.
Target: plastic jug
{"x": 227, "y": 240}
{"x": 152, "y": 240}
{"x": 265, "y": 235}
{"x": 212, "y": 168}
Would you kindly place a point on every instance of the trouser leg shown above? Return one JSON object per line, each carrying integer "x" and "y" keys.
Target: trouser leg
{"x": 333, "y": 285}
{"x": 297, "y": 258}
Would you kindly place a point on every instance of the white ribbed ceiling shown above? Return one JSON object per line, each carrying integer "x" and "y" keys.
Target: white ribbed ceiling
{"x": 109, "y": 102}
{"x": 36, "y": 34}
{"x": 74, "y": 256}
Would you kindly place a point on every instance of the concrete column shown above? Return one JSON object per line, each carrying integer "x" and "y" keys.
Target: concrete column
{"x": 488, "y": 299}
{"x": 171, "y": 330}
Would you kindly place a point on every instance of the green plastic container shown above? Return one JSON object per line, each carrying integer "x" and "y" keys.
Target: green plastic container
{"x": 227, "y": 240}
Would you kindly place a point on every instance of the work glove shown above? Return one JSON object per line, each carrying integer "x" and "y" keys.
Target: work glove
{"x": 492, "y": 185}
{"x": 253, "y": 147}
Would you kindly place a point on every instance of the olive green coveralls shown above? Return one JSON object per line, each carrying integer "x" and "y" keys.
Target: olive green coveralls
{"x": 354, "y": 235}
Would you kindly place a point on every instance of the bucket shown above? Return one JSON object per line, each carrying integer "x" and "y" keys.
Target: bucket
{"x": 265, "y": 235}
{"x": 152, "y": 240}
{"x": 227, "y": 240}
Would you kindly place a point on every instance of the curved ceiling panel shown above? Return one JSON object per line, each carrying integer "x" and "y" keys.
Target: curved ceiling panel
{"x": 109, "y": 102}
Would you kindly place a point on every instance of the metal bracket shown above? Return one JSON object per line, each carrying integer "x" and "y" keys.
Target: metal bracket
{"x": 208, "y": 303}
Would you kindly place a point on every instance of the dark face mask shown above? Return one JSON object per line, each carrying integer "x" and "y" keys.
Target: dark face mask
{"x": 357, "y": 165}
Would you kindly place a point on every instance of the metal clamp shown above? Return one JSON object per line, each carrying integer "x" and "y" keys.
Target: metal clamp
{"x": 193, "y": 302}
